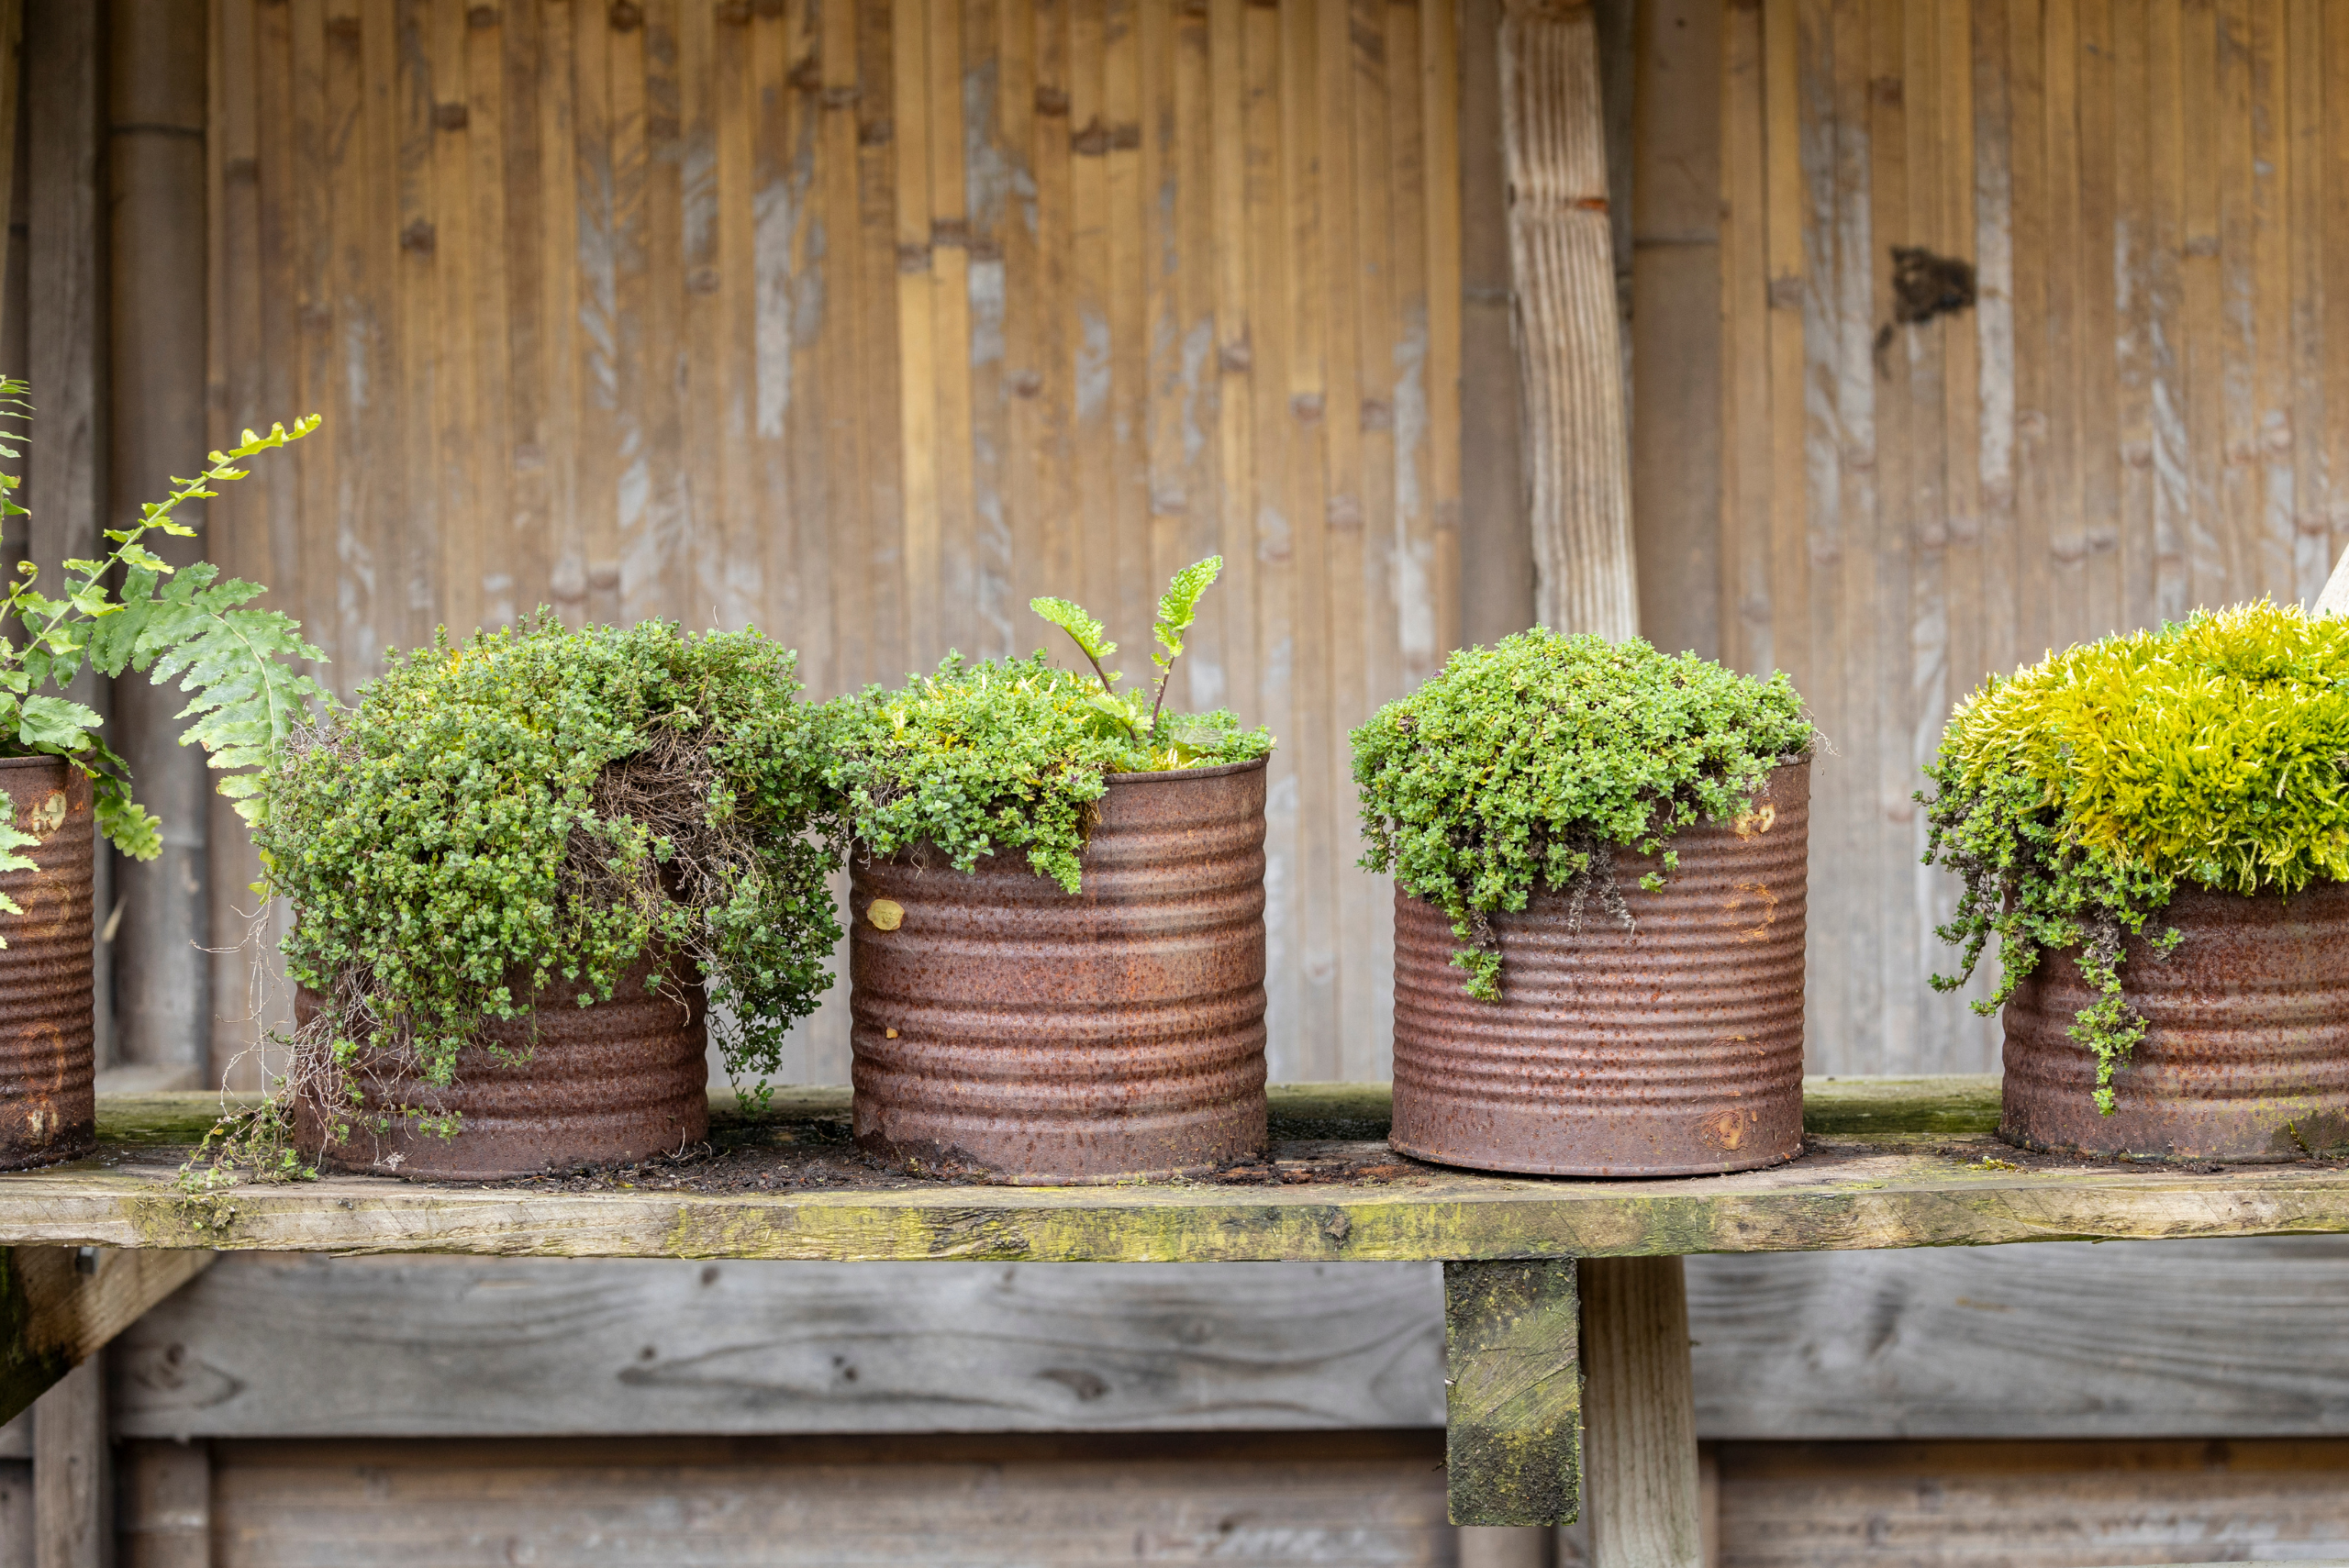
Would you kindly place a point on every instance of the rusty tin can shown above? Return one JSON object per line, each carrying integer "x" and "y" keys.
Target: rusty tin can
{"x": 1672, "y": 1048}
{"x": 48, "y": 1035}
{"x": 604, "y": 1085}
{"x": 1003, "y": 1026}
{"x": 2246, "y": 1049}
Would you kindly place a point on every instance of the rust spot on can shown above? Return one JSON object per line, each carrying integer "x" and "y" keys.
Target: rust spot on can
{"x": 1672, "y": 1048}
{"x": 47, "y": 1104}
{"x": 603, "y": 1084}
{"x": 2246, "y": 1049}
{"x": 1119, "y": 1034}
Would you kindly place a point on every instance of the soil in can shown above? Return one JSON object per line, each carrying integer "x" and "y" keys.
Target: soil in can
{"x": 1005, "y": 1028}
{"x": 1672, "y": 1048}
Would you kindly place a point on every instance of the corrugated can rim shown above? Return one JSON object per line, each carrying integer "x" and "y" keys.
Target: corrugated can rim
{"x": 38, "y": 760}
{"x": 1221, "y": 769}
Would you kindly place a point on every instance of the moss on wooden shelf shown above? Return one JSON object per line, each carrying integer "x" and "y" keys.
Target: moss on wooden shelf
{"x": 1889, "y": 1163}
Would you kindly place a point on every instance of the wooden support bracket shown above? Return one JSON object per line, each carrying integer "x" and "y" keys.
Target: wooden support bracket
{"x": 1640, "y": 1412}
{"x": 1513, "y": 1393}
{"x": 60, "y": 1306}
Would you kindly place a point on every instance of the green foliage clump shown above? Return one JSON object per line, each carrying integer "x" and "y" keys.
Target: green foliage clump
{"x": 2075, "y": 797}
{"x": 1523, "y": 766}
{"x": 1012, "y": 753}
{"x": 543, "y": 803}
{"x": 183, "y": 624}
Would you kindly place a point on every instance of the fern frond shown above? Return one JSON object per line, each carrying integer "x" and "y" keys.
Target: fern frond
{"x": 245, "y": 698}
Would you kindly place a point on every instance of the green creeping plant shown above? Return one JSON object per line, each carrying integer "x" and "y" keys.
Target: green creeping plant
{"x": 540, "y": 803}
{"x": 2073, "y": 798}
{"x": 1012, "y": 753}
{"x": 1525, "y": 765}
{"x": 183, "y": 624}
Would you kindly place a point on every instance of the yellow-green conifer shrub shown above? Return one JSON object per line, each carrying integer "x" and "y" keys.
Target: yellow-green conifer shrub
{"x": 2074, "y": 797}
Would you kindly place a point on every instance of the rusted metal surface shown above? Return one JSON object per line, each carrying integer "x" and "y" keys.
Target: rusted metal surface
{"x": 48, "y": 1105}
{"x": 1002, "y": 1026}
{"x": 1671, "y": 1049}
{"x": 2246, "y": 1049}
{"x": 599, "y": 1085}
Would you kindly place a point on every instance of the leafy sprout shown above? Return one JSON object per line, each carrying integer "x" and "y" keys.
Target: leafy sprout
{"x": 1011, "y": 754}
{"x": 2074, "y": 797}
{"x": 1178, "y": 608}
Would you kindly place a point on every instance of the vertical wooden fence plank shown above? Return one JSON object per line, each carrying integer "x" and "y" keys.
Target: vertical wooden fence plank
{"x": 2303, "y": 62}
{"x": 1747, "y": 286}
{"x": 1440, "y": 112}
{"x": 1680, "y": 334}
{"x": 1272, "y": 532}
{"x": 1562, "y": 256}
{"x": 72, "y": 1517}
{"x": 1639, "y": 1413}
{"x": 492, "y": 588}
{"x": 1306, "y": 448}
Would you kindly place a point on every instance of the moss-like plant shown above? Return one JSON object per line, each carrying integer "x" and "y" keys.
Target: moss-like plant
{"x": 2074, "y": 797}
{"x": 1523, "y": 767}
{"x": 1012, "y": 753}
{"x": 541, "y": 805}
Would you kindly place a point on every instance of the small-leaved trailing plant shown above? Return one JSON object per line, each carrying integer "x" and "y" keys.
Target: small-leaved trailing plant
{"x": 534, "y": 806}
{"x": 2074, "y": 797}
{"x": 185, "y": 624}
{"x": 1524, "y": 766}
{"x": 1012, "y": 753}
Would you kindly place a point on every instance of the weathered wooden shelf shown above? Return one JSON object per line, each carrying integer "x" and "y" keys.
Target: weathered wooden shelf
{"x": 1538, "y": 1271}
{"x": 1892, "y": 1162}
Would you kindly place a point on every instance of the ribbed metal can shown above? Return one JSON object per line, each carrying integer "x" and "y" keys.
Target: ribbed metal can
{"x": 48, "y": 1035}
{"x": 603, "y": 1084}
{"x": 1002, "y": 1025}
{"x": 2246, "y": 1049}
{"x": 1671, "y": 1049}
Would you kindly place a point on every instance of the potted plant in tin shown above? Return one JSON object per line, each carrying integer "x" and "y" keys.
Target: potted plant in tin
{"x": 514, "y": 865}
{"x": 2155, "y": 828}
{"x": 1056, "y": 915}
{"x": 60, "y": 784}
{"x": 1598, "y": 860}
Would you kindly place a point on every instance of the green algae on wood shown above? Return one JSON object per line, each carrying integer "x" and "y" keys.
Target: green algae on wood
{"x": 1512, "y": 1393}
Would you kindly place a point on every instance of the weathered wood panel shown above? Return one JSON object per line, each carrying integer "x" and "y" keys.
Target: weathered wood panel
{"x": 867, "y": 323}
{"x": 2030, "y": 1505}
{"x": 2182, "y": 1340}
{"x": 286, "y": 1347}
{"x": 2142, "y": 410}
{"x": 2237, "y": 1337}
{"x": 1357, "y": 1499}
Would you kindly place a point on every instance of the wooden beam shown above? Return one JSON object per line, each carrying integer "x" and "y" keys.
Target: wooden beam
{"x": 156, "y": 272}
{"x": 64, "y": 80}
{"x": 11, "y": 70}
{"x": 60, "y": 1306}
{"x": 70, "y": 1480}
{"x": 1640, "y": 1415}
{"x": 1569, "y": 348}
{"x": 1513, "y": 1395}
